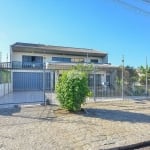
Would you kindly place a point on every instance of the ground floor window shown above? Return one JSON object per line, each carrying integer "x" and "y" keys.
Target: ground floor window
{"x": 98, "y": 79}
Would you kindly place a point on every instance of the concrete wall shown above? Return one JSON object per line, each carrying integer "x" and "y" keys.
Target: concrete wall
{"x": 105, "y": 59}
{"x": 5, "y": 89}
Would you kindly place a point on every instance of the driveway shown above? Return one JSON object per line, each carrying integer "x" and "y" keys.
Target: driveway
{"x": 21, "y": 97}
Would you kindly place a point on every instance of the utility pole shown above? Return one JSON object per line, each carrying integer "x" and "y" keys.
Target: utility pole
{"x": 146, "y": 92}
{"x": 7, "y": 58}
{"x": 94, "y": 83}
{"x": 123, "y": 77}
{"x": 87, "y": 57}
{"x": 0, "y": 57}
{"x": 44, "y": 67}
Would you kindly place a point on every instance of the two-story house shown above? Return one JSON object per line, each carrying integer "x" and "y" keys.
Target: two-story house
{"x": 36, "y": 66}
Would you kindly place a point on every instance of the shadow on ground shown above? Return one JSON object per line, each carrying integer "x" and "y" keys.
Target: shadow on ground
{"x": 40, "y": 112}
{"x": 9, "y": 111}
{"x": 46, "y": 114}
{"x": 118, "y": 115}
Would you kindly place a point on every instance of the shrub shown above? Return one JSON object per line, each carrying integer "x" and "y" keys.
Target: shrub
{"x": 72, "y": 89}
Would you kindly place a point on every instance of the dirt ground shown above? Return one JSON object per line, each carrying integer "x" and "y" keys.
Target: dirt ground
{"x": 103, "y": 125}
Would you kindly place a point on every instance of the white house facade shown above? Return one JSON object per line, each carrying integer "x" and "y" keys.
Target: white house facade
{"x": 37, "y": 65}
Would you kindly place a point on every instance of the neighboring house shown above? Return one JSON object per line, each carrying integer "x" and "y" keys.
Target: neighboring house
{"x": 31, "y": 61}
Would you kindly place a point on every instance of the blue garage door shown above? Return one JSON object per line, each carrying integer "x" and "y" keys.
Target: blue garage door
{"x": 30, "y": 81}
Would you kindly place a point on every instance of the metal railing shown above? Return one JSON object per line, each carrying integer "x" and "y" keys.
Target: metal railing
{"x": 5, "y": 65}
{"x": 32, "y": 65}
{"x": 21, "y": 65}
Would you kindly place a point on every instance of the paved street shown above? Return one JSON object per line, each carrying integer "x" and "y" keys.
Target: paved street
{"x": 104, "y": 125}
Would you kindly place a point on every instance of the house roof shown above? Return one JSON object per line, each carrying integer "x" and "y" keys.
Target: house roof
{"x": 50, "y": 49}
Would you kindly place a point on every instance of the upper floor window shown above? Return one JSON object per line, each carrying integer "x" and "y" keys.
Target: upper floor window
{"x": 37, "y": 59}
{"x": 94, "y": 60}
{"x": 77, "y": 60}
{"x": 32, "y": 61}
{"x": 61, "y": 59}
{"x": 33, "y": 58}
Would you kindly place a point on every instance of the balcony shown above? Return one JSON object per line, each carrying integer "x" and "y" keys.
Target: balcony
{"x": 26, "y": 65}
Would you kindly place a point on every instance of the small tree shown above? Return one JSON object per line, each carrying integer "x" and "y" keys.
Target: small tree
{"x": 72, "y": 89}
{"x": 142, "y": 72}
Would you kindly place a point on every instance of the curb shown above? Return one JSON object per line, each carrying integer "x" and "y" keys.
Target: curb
{"x": 132, "y": 146}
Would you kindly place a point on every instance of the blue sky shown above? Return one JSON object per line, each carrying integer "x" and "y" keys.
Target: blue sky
{"x": 118, "y": 27}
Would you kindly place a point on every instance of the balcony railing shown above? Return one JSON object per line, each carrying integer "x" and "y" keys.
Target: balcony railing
{"x": 5, "y": 65}
{"x": 32, "y": 65}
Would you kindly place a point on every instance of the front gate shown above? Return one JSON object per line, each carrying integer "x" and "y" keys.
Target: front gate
{"x": 24, "y": 86}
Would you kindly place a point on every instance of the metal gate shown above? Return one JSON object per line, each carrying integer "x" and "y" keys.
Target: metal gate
{"x": 31, "y": 81}
{"x": 25, "y": 86}
{"x": 27, "y": 81}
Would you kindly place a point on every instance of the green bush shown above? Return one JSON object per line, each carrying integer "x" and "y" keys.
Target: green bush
{"x": 5, "y": 76}
{"x": 72, "y": 89}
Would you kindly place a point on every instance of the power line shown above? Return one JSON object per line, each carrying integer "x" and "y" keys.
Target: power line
{"x": 146, "y": 1}
{"x": 134, "y": 7}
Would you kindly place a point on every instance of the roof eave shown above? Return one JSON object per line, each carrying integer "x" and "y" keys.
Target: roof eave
{"x": 51, "y": 50}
